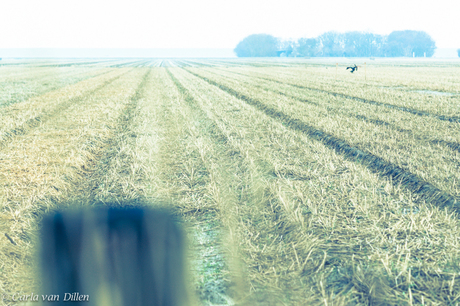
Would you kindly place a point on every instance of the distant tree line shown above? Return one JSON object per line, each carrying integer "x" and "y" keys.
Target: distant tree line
{"x": 333, "y": 44}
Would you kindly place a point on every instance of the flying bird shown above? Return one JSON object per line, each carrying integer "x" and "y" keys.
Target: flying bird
{"x": 353, "y": 68}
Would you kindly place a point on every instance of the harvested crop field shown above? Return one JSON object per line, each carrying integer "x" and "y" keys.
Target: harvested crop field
{"x": 297, "y": 182}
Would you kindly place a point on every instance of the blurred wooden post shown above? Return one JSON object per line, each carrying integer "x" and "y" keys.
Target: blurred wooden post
{"x": 113, "y": 256}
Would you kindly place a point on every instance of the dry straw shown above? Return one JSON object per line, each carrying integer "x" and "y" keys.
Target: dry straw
{"x": 291, "y": 195}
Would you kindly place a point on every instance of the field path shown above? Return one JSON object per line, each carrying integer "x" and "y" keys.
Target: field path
{"x": 174, "y": 147}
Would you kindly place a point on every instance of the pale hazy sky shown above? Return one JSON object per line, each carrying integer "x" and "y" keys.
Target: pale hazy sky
{"x": 212, "y": 23}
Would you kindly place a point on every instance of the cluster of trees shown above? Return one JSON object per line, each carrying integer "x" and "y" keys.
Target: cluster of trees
{"x": 348, "y": 44}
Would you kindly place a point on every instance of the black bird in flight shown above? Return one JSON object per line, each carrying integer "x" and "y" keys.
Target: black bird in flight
{"x": 353, "y": 68}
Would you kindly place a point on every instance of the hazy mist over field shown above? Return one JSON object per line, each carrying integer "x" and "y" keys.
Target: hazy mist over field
{"x": 209, "y": 24}
{"x": 116, "y": 52}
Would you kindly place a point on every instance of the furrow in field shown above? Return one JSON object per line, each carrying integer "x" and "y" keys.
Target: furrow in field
{"x": 177, "y": 174}
{"x": 117, "y": 169}
{"x": 385, "y": 83}
{"x": 444, "y": 79}
{"x": 113, "y": 177}
{"x": 377, "y": 164}
{"x": 427, "y": 150}
{"x": 20, "y": 118}
{"x": 328, "y": 108}
{"x": 429, "y": 145}
{"x": 362, "y": 100}
{"x": 81, "y": 127}
{"x": 46, "y": 168}
{"x": 392, "y": 120}
{"x": 229, "y": 157}
{"x": 237, "y": 181}
{"x": 312, "y": 225}
{"x": 276, "y": 216}
{"x": 152, "y": 159}
{"x": 145, "y": 171}
{"x": 176, "y": 165}
{"x": 209, "y": 218}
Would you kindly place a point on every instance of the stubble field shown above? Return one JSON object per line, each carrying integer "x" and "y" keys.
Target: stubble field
{"x": 297, "y": 182}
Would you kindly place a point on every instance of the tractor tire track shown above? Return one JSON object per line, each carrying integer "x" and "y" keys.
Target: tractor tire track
{"x": 208, "y": 228}
{"x": 122, "y": 134}
{"x": 372, "y": 102}
{"x": 378, "y": 165}
{"x": 455, "y": 146}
